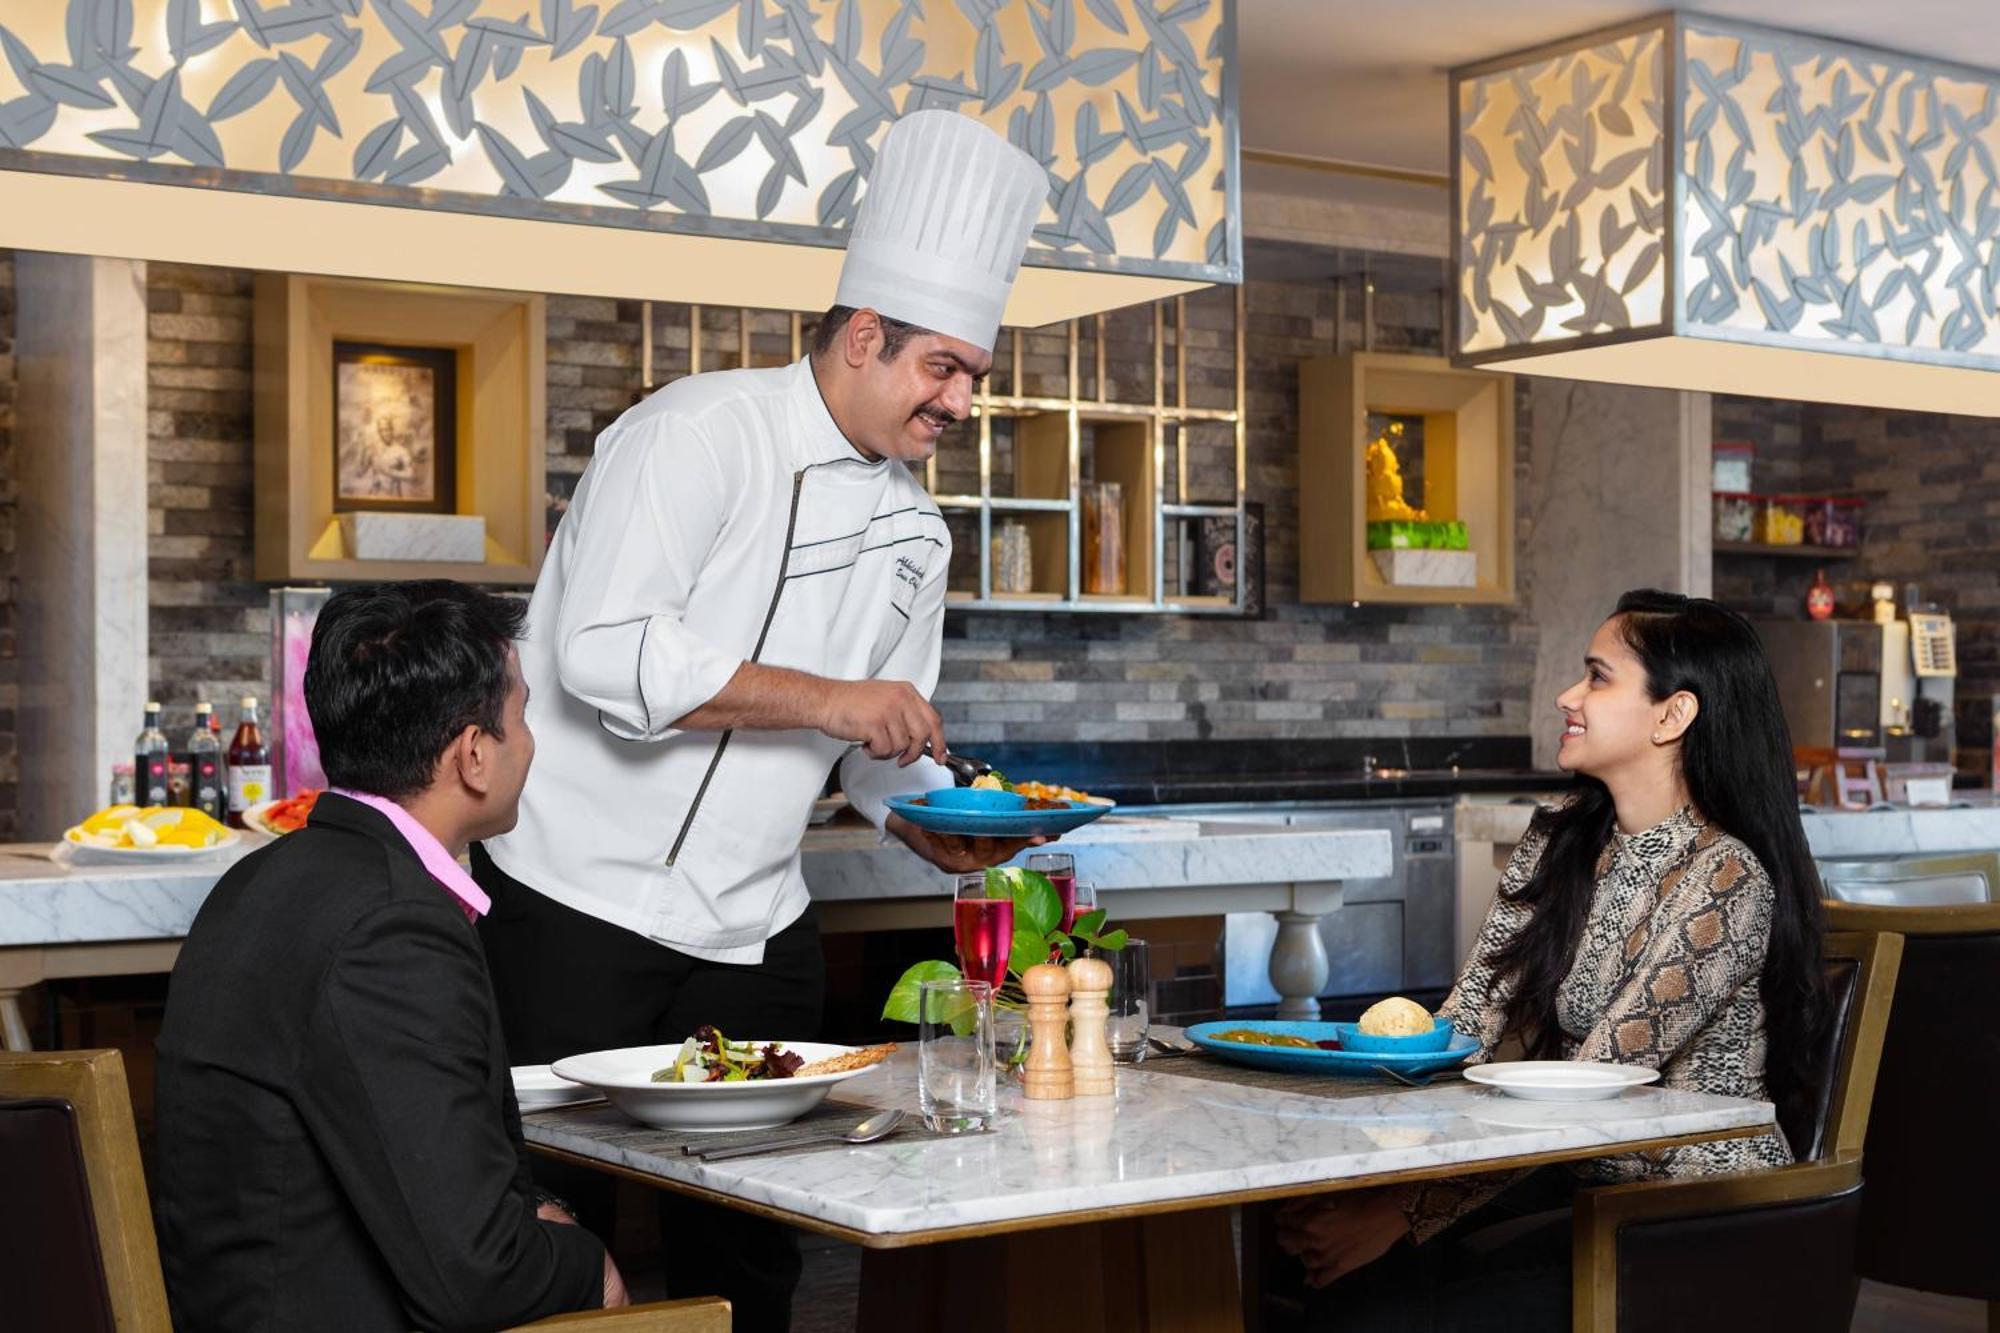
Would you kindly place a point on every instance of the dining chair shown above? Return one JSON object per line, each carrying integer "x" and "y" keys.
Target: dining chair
{"x": 77, "y": 1250}
{"x": 1752, "y": 1250}
{"x": 1926, "y": 1217}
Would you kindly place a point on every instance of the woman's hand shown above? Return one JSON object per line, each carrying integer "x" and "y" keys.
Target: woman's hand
{"x": 1334, "y": 1234}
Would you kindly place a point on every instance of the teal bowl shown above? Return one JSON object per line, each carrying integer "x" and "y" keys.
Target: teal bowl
{"x": 980, "y": 800}
{"x": 1353, "y": 1039}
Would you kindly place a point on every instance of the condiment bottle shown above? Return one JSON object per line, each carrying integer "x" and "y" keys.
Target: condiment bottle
{"x": 1089, "y": 1051}
{"x": 1048, "y": 1075}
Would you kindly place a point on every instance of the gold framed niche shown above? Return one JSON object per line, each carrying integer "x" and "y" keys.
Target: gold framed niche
{"x": 1468, "y": 444}
{"x": 500, "y": 343}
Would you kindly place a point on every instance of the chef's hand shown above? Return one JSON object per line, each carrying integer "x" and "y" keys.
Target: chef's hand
{"x": 1334, "y": 1234}
{"x": 955, "y": 855}
{"x": 888, "y": 718}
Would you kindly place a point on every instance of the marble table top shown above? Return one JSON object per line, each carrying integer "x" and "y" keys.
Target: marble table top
{"x": 1163, "y": 1139}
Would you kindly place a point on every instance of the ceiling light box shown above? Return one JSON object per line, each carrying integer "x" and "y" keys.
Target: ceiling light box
{"x": 1691, "y": 203}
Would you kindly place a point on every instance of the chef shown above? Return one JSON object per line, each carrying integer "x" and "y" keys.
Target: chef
{"x": 748, "y": 589}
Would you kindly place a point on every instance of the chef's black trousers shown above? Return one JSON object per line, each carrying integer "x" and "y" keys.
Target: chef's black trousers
{"x": 566, "y": 982}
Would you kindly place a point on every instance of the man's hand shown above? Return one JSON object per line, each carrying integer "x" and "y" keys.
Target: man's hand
{"x": 1334, "y": 1234}
{"x": 615, "y": 1294}
{"x": 888, "y": 718}
{"x": 552, "y": 1212}
{"x": 955, "y": 855}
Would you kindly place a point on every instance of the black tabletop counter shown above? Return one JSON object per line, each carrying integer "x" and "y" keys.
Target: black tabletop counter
{"x": 1264, "y": 771}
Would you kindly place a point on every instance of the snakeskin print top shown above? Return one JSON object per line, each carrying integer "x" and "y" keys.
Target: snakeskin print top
{"x": 1666, "y": 975}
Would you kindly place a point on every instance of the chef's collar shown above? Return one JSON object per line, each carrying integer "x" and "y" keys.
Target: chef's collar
{"x": 823, "y": 441}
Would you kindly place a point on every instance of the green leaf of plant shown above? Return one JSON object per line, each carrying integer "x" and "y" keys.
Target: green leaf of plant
{"x": 1030, "y": 947}
{"x": 901, "y": 1006}
{"x": 1113, "y": 942}
{"x": 1090, "y": 923}
{"x": 1036, "y": 904}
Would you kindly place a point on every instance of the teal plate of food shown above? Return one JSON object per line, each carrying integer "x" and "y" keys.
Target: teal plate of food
{"x": 1024, "y": 821}
{"x": 1299, "y": 1050}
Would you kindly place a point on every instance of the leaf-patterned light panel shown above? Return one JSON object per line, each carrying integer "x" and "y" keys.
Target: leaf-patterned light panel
{"x": 735, "y": 117}
{"x": 1829, "y": 196}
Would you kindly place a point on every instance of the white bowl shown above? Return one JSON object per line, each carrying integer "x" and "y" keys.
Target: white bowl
{"x": 625, "y": 1077}
{"x": 1560, "y": 1080}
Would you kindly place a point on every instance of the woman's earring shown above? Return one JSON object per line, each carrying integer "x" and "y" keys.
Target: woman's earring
{"x": 1656, "y": 738}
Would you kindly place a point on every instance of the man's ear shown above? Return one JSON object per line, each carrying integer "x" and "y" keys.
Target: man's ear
{"x": 861, "y": 340}
{"x": 469, "y": 758}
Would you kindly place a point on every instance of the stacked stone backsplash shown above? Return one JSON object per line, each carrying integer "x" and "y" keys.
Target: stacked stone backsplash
{"x": 10, "y": 689}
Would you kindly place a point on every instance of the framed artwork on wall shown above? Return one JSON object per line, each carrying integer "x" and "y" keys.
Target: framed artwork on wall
{"x": 395, "y": 428}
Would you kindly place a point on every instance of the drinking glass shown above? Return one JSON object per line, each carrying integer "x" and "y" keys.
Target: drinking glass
{"x": 984, "y": 929}
{"x": 1086, "y": 899}
{"x": 1060, "y": 870}
{"x": 1131, "y": 1001}
{"x": 955, "y": 1066}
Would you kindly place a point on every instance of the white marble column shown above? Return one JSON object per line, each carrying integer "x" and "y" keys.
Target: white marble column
{"x": 80, "y": 450}
{"x": 1619, "y": 486}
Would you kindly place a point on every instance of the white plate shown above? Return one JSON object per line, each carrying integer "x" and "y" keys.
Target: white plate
{"x": 626, "y": 1078}
{"x": 82, "y": 853}
{"x": 536, "y": 1088}
{"x": 1560, "y": 1080}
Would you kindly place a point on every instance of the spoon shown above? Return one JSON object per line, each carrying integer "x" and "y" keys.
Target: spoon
{"x": 1167, "y": 1048}
{"x": 878, "y": 1126}
{"x": 1407, "y": 1080}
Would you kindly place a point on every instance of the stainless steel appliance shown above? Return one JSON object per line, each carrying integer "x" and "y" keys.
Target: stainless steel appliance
{"x": 1829, "y": 679}
{"x": 1390, "y": 935}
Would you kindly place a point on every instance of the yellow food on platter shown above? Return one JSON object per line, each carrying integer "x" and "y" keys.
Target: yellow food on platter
{"x": 1395, "y": 1017}
{"x": 1036, "y": 791}
{"x": 131, "y": 827}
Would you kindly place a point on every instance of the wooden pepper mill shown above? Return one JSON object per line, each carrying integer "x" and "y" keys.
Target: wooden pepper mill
{"x": 1089, "y": 1051}
{"x": 1047, "y": 1076}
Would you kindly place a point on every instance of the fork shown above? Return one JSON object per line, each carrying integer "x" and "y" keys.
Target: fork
{"x": 1407, "y": 1080}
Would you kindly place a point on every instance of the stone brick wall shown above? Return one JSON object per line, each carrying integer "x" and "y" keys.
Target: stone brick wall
{"x": 10, "y": 688}
{"x": 1299, "y": 671}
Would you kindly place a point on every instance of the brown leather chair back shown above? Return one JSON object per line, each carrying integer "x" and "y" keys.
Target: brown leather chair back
{"x": 50, "y": 1266}
{"x": 1927, "y": 1216}
{"x": 1806, "y": 1128}
{"x": 97, "y": 1137}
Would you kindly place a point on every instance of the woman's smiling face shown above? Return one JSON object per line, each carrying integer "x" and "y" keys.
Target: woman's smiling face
{"x": 1610, "y": 716}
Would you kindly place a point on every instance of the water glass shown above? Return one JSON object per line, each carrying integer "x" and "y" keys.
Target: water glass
{"x": 1131, "y": 1001}
{"x": 1086, "y": 899}
{"x": 955, "y": 1067}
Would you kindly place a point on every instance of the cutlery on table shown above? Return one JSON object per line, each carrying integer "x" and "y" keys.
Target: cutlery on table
{"x": 878, "y": 1126}
{"x": 1167, "y": 1048}
{"x": 1407, "y": 1080}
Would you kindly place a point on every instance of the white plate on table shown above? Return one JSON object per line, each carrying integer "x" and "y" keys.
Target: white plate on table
{"x": 537, "y": 1088}
{"x": 1560, "y": 1080}
{"x": 625, "y": 1077}
{"x": 75, "y": 851}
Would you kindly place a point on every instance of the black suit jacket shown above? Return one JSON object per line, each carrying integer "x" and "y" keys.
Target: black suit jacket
{"x": 338, "y": 1142}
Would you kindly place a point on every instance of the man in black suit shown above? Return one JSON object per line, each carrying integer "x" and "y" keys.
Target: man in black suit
{"x": 339, "y": 1145}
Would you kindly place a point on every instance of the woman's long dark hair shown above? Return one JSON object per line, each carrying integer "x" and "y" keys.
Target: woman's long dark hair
{"x": 1736, "y": 758}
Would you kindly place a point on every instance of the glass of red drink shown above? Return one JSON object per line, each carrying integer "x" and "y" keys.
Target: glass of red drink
{"x": 984, "y": 929}
{"x": 1060, "y": 870}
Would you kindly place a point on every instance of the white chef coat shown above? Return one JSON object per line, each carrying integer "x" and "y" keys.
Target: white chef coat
{"x": 724, "y": 519}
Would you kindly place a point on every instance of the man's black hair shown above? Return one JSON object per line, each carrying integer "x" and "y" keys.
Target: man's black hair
{"x": 397, "y": 671}
{"x": 896, "y": 334}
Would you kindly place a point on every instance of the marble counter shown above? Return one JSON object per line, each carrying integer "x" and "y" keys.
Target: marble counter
{"x": 1831, "y": 834}
{"x": 1162, "y": 1138}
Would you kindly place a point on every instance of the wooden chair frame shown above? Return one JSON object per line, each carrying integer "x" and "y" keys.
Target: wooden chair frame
{"x": 1599, "y": 1213}
{"x": 94, "y": 1083}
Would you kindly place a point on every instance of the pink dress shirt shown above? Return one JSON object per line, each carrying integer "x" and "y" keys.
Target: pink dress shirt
{"x": 444, "y": 869}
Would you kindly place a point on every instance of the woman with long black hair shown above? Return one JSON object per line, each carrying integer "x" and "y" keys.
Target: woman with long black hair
{"x": 1667, "y": 913}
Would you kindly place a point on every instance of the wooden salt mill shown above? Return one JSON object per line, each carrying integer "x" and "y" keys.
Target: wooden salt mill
{"x": 1047, "y": 1075}
{"x": 1089, "y": 1051}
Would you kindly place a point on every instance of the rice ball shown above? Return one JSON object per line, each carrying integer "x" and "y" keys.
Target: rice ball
{"x": 1395, "y": 1017}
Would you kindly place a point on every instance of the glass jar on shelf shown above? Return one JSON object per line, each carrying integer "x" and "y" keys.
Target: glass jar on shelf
{"x": 1781, "y": 521}
{"x": 1729, "y": 464}
{"x": 1735, "y": 517}
{"x": 1843, "y": 522}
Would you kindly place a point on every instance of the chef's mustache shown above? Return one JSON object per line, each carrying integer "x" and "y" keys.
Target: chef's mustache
{"x": 943, "y": 414}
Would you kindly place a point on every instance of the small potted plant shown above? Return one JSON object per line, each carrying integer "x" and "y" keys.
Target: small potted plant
{"x": 1038, "y": 938}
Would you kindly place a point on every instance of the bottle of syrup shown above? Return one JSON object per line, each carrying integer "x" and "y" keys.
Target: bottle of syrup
{"x": 207, "y": 793}
{"x": 249, "y": 765}
{"x": 150, "y": 760}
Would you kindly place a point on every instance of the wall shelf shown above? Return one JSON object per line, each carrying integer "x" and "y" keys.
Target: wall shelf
{"x": 1468, "y": 463}
{"x": 1787, "y": 552}
{"x": 1055, "y": 446}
